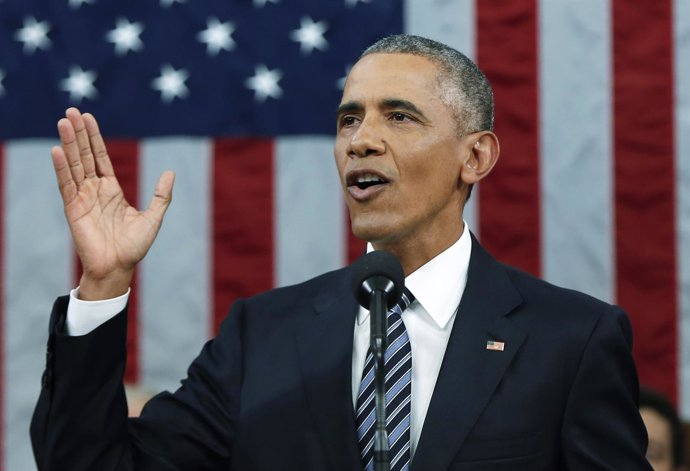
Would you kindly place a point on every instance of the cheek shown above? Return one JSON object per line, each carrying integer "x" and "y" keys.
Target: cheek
{"x": 340, "y": 159}
{"x": 434, "y": 173}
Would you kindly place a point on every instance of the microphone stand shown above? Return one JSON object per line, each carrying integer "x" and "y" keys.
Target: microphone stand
{"x": 377, "y": 281}
{"x": 378, "y": 314}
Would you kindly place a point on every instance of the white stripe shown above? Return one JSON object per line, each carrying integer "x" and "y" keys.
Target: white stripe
{"x": 38, "y": 267}
{"x": 309, "y": 209}
{"x": 452, "y": 23}
{"x": 174, "y": 284}
{"x": 576, "y": 145}
{"x": 682, "y": 132}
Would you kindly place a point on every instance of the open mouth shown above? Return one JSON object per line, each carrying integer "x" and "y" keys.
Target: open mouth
{"x": 365, "y": 180}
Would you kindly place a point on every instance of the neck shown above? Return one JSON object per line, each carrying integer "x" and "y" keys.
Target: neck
{"x": 414, "y": 253}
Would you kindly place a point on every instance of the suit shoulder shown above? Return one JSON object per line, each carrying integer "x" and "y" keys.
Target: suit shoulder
{"x": 563, "y": 303}
{"x": 538, "y": 289}
{"x": 297, "y": 294}
{"x": 566, "y": 320}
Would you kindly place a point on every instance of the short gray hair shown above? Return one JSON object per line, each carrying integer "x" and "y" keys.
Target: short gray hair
{"x": 462, "y": 86}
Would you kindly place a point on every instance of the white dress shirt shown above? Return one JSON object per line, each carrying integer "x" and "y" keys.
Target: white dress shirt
{"x": 438, "y": 286}
{"x": 85, "y": 316}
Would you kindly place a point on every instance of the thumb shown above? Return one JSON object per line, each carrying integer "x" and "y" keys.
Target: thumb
{"x": 162, "y": 195}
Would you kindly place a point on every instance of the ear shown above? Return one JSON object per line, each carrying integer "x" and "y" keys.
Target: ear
{"x": 481, "y": 154}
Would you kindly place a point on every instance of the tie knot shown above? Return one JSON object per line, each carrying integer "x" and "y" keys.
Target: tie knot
{"x": 406, "y": 299}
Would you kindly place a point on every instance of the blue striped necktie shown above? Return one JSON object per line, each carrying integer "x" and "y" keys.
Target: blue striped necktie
{"x": 398, "y": 366}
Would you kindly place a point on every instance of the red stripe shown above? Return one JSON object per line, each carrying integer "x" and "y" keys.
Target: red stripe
{"x": 509, "y": 197}
{"x": 243, "y": 221}
{"x": 645, "y": 184}
{"x": 125, "y": 157}
{"x": 2, "y": 306}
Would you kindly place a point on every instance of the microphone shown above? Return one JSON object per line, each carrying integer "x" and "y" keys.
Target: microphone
{"x": 377, "y": 283}
{"x": 377, "y": 270}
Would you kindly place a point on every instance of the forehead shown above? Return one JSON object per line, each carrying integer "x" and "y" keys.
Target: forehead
{"x": 379, "y": 76}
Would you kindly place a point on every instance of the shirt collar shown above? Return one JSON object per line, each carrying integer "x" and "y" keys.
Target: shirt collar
{"x": 438, "y": 285}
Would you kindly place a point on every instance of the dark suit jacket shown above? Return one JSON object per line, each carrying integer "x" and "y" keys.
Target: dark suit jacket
{"x": 273, "y": 390}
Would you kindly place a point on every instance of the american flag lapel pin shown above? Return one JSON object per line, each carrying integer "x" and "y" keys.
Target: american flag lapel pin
{"x": 495, "y": 346}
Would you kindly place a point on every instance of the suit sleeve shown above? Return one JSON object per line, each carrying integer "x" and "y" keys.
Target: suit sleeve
{"x": 80, "y": 421}
{"x": 602, "y": 427}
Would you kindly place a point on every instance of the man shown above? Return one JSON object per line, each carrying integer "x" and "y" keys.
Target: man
{"x": 665, "y": 452}
{"x": 507, "y": 372}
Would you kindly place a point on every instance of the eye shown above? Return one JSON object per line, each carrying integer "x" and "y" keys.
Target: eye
{"x": 399, "y": 117}
{"x": 347, "y": 120}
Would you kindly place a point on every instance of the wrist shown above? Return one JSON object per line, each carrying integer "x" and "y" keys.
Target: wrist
{"x": 110, "y": 286}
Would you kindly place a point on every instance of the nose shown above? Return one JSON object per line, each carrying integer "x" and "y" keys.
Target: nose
{"x": 367, "y": 140}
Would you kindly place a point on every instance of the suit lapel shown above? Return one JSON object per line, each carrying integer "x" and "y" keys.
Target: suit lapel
{"x": 469, "y": 372}
{"x": 325, "y": 350}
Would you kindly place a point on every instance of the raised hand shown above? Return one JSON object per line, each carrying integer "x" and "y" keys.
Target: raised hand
{"x": 110, "y": 235}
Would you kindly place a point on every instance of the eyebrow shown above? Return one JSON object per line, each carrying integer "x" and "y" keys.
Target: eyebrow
{"x": 399, "y": 104}
{"x": 349, "y": 107}
{"x": 386, "y": 103}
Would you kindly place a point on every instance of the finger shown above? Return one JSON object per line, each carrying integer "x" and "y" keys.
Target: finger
{"x": 68, "y": 189}
{"x": 162, "y": 196}
{"x": 68, "y": 139}
{"x": 83, "y": 143}
{"x": 103, "y": 164}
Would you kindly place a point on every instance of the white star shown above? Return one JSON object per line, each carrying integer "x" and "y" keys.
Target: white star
{"x": 310, "y": 35}
{"x": 352, "y": 3}
{"x": 167, "y": 3}
{"x": 265, "y": 83}
{"x": 171, "y": 83}
{"x": 79, "y": 84}
{"x": 2, "y": 77}
{"x": 340, "y": 83}
{"x": 125, "y": 36}
{"x": 217, "y": 36}
{"x": 262, "y": 3}
{"x": 79, "y": 3}
{"x": 34, "y": 35}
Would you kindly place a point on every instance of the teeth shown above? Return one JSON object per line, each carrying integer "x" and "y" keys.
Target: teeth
{"x": 368, "y": 178}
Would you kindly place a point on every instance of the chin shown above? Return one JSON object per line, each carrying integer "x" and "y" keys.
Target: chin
{"x": 365, "y": 234}
{"x": 372, "y": 229}
{"x": 366, "y": 231}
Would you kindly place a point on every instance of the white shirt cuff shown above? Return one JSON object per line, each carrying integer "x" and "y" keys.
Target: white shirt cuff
{"x": 85, "y": 316}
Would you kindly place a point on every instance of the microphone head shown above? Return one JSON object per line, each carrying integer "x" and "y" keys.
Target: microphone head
{"x": 377, "y": 270}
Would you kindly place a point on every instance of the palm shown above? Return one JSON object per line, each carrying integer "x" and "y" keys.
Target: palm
{"x": 108, "y": 232}
{"x": 110, "y": 235}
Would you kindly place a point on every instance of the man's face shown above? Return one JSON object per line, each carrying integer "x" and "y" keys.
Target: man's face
{"x": 398, "y": 153}
{"x": 660, "y": 449}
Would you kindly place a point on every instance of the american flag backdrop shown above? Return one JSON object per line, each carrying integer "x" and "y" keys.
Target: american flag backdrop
{"x": 592, "y": 190}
